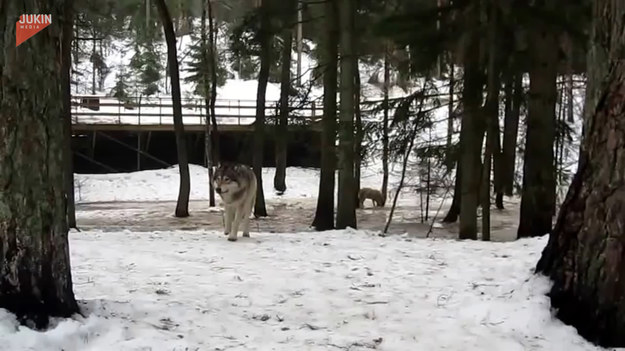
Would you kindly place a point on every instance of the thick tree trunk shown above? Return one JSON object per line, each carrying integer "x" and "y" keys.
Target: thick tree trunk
{"x": 514, "y": 98}
{"x": 385, "y": 140}
{"x": 454, "y": 209}
{"x": 346, "y": 212}
{"x": 538, "y": 196}
{"x": 324, "y": 214}
{"x": 259, "y": 125}
{"x": 491, "y": 112}
{"x": 182, "y": 206}
{"x": 279, "y": 180}
{"x": 66, "y": 50}
{"x": 584, "y": 256}
{"x": 471, "y": 134}
{"x": 35, "y": 274}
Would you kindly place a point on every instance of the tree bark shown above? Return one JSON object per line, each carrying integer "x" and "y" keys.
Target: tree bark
{"x": 208, "y": 149}
{"x": 279, "y": 180}
{"x": 346, "y": 212}
{"x": 212, "y": 37}
{"x": 538, "y": 196}
{"x": 66, "y": 49}
{"x": 359, "y": 132}
{"x": 584, "y": 255}
{"x": 449, "y": 159}
{"x": 514, "y": 98}
{"x": 472, "y": 132}
{"x": 182, "y": 206}
{"x": 300, "y": 41}
{"x": 35, "y": 274}
{"x": 491, "y": 112}
{"x": 385, "y": 140}
{"x": 454, "y": 209}
{"x": 324, "y": 214}
{"x": 259, "y": 126}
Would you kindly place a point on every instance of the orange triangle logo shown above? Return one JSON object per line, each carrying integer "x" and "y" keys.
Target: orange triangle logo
{"x": 29, "y": 25}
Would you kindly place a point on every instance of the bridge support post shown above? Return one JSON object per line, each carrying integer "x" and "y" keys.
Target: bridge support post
{"x": 92, "y": 148}
{"x": 138, "y": 151}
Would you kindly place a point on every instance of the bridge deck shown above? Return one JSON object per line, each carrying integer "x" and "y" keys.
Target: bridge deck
{"x": 96, "y": 113}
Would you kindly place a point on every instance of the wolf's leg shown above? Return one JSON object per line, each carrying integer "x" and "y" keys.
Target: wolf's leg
{"x": 246, "y": 224}
{"x": 247, "y": 212}
{"x": 229, "y": 216}
{"x": 235, "y": 224}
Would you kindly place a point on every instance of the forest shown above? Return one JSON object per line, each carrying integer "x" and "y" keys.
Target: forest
{"x": 488, "y": 106}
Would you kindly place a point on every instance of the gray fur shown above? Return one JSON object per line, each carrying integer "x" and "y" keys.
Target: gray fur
{"x": 236, "y": 185}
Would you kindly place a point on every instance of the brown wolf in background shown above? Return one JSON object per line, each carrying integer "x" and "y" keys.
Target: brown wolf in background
{"x": 374, "y": 195}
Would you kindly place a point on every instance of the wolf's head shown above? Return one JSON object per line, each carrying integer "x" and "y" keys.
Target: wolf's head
{"x": 226, "y": 179}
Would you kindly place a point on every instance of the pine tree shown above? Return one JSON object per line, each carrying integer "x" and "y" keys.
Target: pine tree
{"x": 279, "y": 182}
{"x": 35, "y": 263}
{"x": 182, "y": 205}
{"x": 264, "y": 39}
{"x": 346, "y": 211}
{"x": 324, "y": 213}
{"x": 584, "y": 255}
{"x": 538, "y": 195}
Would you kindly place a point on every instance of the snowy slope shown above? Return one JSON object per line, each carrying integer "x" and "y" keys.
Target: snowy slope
{"x": 162, "y": 184}
{"x": 322, "y": 291}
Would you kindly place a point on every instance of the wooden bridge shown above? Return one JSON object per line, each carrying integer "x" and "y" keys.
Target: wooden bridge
{"x": 91, "y": 113}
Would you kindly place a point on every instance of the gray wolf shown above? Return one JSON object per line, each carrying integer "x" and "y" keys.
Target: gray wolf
{"x": 236, "y": 185}
{"x": 374, "y": 195}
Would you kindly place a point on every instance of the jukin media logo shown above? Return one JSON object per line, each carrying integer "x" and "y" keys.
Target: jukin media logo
{"x": 29, "y": 25}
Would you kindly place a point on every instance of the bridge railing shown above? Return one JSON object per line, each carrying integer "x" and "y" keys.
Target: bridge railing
{"x": 88, "y": 109}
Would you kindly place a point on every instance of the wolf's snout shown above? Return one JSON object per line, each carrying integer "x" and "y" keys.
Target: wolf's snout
{"x": 218, "y": 190}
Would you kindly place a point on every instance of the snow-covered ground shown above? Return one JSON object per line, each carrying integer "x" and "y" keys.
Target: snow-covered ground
{"x": 310, "y": 291}
{"x": 172, "y": 289}
{"x": 162, "y": 184}
{"x": 169, "y": 289}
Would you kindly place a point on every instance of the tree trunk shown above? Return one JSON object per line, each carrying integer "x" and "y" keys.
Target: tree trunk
{"x": 454, "y": 209}
{"x": 279, "y": 180}
{"x": 259, "y": 126}
{"x": 182, "y": 206}
{"x": 449, "y": 159}
{"x": 584, "y": 255}
{"x": 514, "y": 98}
{"x": 472, "y": 132}
{"x": 66, "y": 49}
{"x": 212, "y": 37}
{"x": 491, "y": 112}
{"x": 35, "y": 273}
{"x": 570, "y": 114}
{"x": 324, "y": 214}
{"x": 346, "y": 212}
{"x": 300, "y": 42}
{"x": 359, "y": 132}
{"x": 93, "y": 66}
{"x": 538, "y": 196}
{"x": 208, "y": 150}
{"x": 385, "y": 149}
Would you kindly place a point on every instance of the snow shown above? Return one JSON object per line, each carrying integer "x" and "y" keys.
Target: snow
{"x": 170, "y": 289}
{"x": 308, "y": 291}
{"x": 162, "y": 184}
